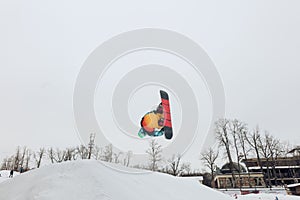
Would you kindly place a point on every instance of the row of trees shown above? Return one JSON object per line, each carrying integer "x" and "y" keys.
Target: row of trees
{"x": 235, "y": 140}
{"x": 25, "y": 159}
{"x": 238, "y": 142}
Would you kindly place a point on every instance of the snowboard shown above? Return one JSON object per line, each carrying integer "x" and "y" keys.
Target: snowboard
{"x": 168, "y": 130}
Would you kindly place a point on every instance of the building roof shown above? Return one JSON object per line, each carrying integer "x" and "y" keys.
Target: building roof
{"x": 296, "y": 149}
{"x": 226, "y": 168}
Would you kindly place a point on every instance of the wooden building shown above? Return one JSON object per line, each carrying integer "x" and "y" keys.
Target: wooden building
{"x": 282, "y": 171}
{"x": 243, "y": 179}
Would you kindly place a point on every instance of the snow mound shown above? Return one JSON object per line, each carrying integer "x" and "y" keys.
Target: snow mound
{"x": 91, "y": 180}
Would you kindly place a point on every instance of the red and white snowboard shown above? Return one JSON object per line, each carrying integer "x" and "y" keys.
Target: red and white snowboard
{"x": 168, "y": 130}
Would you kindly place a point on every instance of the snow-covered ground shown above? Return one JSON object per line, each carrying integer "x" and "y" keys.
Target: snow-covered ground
{"x": 267, "y": 197}
{"x": 91, "y": 180}
{"x": 264, "y": 194}
{"x": 4, "y": 175}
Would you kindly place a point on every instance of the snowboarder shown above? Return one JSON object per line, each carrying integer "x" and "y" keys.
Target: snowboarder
{"x": 152, "y": 123}
{"x": 158, "y": 122}
{"x": 11, "y": 174}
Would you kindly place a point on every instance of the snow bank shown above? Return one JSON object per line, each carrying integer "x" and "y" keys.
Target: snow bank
{"x": 91, "y": 180}
{"x": 267, "y": 197}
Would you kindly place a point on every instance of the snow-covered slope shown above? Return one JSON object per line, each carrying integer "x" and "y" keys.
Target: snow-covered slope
{"x": 91, "y": 180}
{"x": 5, "y": 175}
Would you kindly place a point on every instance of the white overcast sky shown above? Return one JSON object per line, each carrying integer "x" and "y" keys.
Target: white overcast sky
{"x": 255, "y": 46}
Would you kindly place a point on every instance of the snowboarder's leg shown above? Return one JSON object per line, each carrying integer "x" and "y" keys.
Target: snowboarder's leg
{"x": 158, "y": 133}
{"x": 142, "y": 133}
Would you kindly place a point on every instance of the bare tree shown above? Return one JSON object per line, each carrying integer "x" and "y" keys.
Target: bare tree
{"x": 286, "y": 148}
{"x": 174, "y": 164}
{"x": 97, "y": 152}
{"x": 271, "y": 149}
{"x": 22, "y": 159}
{"x": 91, "y": 145}
{"x": 237, "y": 128}
{"x": 264, "y": 147}
{"x": 108, "y": 153}
{"x": 38, "y": 156}
{"x": 70, "y": 154}
{"x": 209, "y": 158}
{"x": 27, "y": 159}
{"x": 245, "y": 150}
{"x": 116, "y": 157}
{"x": 276, "y": 150}
{"x": 60, "y": 155}
{"x": 127, "y": 158}
{"x": 253, "y": 140}
{"x": 222, "y": 133}
{"x": 17, "y": 159}
{"x": 154, "y": 151}
{"x": 51, "y": 154}
{"x": 185, "y": 168}
{"x": 6, "y": 164}
{"x": 83, "y": 152}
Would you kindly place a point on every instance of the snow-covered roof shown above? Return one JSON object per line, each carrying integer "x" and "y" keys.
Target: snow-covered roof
{"x": 293, "y": 185}
{"x": 277, "y": 167}
{"x": 200, "y": 178}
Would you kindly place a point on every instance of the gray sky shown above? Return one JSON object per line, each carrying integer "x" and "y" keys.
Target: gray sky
{"x": 254, "y": 45}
